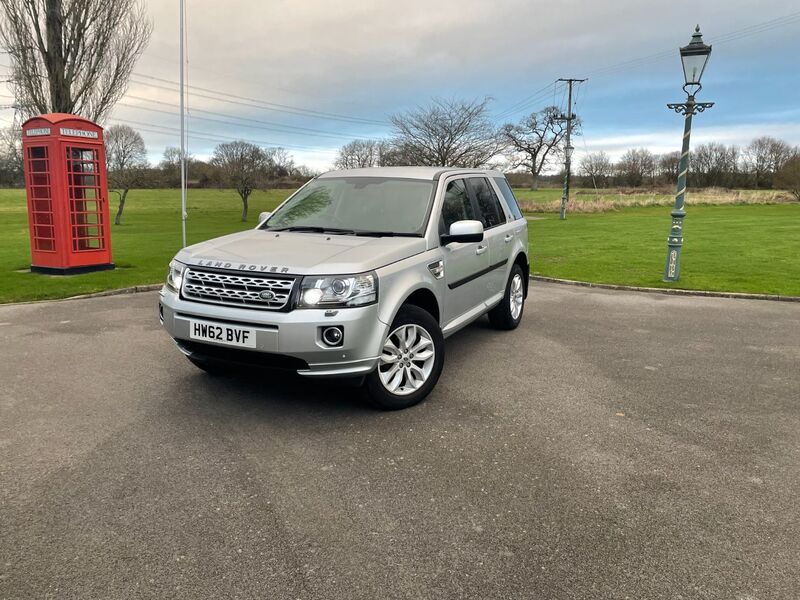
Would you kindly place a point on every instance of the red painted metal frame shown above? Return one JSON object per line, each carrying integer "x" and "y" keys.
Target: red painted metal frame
{"x": 67, "y": 190}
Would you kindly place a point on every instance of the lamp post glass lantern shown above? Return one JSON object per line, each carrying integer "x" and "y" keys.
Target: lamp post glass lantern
{"x": 694, "y": 57}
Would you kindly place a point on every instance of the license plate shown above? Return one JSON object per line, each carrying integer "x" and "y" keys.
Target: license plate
{"x": 229, "y": 335}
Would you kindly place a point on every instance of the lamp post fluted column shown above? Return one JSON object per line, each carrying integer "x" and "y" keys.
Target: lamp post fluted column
{"x": 694, "y": 57}
{"x": 672, "y": 270}
{"x": 675, "y": 241}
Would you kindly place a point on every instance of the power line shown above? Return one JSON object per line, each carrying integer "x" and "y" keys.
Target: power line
{"x": 511, "y": 109}
{"x": 725, "y": 38}
{"x": 268, "y": 125}
{"x": 216, "y": 137}
{"x": 208, "y": 97}
{"x": 633, "y": 63}
{"x": 266, "y": 105}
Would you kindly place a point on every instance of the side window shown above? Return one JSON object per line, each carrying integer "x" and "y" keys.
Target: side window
{"x": 508, "y": 195}
{"x": 491, "y": 212}
{"x": 456, "y": 205}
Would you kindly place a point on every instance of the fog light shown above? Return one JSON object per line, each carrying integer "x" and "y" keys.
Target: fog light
{"x": 333, "y": 336}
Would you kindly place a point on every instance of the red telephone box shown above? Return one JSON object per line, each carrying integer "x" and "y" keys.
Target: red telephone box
{"x": 65, "y": 179}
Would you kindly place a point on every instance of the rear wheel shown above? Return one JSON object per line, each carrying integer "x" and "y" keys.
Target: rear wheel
{"x": 508, "y": 314}
{"x": 410, "y": 363}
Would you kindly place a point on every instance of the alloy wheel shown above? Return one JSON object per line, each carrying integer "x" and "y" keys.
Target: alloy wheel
{"x": 516, "y": 297}
{"x": 407, "y": 359}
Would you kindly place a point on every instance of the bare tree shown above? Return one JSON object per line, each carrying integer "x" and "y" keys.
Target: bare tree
{"x": 395, "y": 155}
{"x": 72, "y": 56}
{"x": 779, "y": 154}
{"x": 715, "y": 164}
{"x": 788, "y": 177}
{"x": 360, "y": 154}
{"x": 765, "y": 156}
{"x": 668, "y": 165}
{"x": 454, "y": 133}
{"x": 598, "y": 167}
{"x": 534, "y": 140}
{"x": 279, "y": 163}
{"x": 170, "y": 166}
{"x": 11, "y": 174}
{"x": 637, "y": 167}
{"x": 126, "y": 161}
{"x": 243, "y": 166}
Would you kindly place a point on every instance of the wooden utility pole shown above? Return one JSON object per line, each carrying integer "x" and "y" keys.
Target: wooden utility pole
{"x": 569, "y": 117}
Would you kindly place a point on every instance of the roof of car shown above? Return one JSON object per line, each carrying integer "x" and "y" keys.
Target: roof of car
{"x": 429, "y": 173}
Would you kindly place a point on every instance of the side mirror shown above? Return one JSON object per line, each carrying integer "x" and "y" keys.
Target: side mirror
{"x": 463, "y": 232}
{"x": 263, "y": 217}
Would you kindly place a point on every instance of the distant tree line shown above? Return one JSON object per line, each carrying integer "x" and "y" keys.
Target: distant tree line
{"x": 240, "y": 165}
{"x": 444, "y": 132}
{"x": 461, "y": 134}
{"x": 759, "y": 165}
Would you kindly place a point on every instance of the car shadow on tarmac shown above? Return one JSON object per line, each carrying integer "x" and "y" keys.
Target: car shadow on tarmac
{"x": 285, "y": 391}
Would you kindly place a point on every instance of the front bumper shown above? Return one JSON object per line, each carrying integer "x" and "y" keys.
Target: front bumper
{"x": 288, "y": 339}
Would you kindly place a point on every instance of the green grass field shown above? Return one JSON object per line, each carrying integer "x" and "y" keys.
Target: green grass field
{"x": 142, "y": 246}
{"x": 740, "y": 248}
{"x": 729, "y": 248}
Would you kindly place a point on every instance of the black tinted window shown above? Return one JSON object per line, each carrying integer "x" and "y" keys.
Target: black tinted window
{"x": 456, "y": 206}
{"x": 491, "y": 212}
{"x": 508, "y": 195}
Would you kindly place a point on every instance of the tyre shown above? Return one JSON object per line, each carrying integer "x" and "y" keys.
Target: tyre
{"x": 411, "y": 361}
{"x": 212, "y": 368}
{"x": 508, "y": 313}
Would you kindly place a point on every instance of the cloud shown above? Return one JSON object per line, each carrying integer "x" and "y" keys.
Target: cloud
{"x": 372, "y": 58}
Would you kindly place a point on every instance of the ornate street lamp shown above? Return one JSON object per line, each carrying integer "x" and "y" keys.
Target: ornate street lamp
{"x": 694, "y": 57}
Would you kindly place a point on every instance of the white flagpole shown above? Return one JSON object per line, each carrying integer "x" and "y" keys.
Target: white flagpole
{"x": 183, "y": 138}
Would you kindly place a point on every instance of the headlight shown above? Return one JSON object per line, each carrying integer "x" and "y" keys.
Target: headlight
{"x": 175, "y": 275}
{"x": 338, "y": 291}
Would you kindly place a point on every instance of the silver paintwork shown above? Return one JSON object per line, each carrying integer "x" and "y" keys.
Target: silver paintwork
{"x": 401, "y": 263}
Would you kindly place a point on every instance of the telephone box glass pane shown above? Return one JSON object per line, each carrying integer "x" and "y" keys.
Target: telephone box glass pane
{"x": 86, "y": 203}
{"x": 40, "y": 198}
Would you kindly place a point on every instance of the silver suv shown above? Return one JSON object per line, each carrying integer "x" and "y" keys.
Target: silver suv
{"x": 360, "y": 273}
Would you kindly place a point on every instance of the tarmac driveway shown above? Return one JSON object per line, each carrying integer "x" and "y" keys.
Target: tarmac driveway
{"x": 616, "y": 445}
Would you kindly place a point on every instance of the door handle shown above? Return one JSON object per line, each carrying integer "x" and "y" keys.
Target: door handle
{"x": 508, "y": 238}
{"x": 481, "y": 249}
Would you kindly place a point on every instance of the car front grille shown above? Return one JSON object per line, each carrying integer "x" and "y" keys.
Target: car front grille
{"x": 251, "y": 291}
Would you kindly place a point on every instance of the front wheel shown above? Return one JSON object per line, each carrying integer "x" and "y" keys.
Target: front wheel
{"x": 410, "y": 363}
{"x": 508, "y": 314}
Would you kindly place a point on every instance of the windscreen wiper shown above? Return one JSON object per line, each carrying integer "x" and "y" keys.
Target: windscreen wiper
{"x": 337, "y": 230}
{"x": 314, "y": 229}
{"x": 385, "y": 234}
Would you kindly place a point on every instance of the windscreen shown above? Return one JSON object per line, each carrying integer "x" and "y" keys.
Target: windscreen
{"x": 366, "y": 204}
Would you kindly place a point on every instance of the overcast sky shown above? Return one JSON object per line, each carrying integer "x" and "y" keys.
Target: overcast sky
{"x": 360, "y": 61}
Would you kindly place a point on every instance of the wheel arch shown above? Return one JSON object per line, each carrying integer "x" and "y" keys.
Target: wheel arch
{"x": 521, "y": 259}
{"x": 425, "y": 299}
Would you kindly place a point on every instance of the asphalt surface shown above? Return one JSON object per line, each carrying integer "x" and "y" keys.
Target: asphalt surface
{"x": 616, "y": 445}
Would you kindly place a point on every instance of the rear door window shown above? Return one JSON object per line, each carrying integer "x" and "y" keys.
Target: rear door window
{"x": 508, "y": 196}
{"x": 491, "y": 213}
